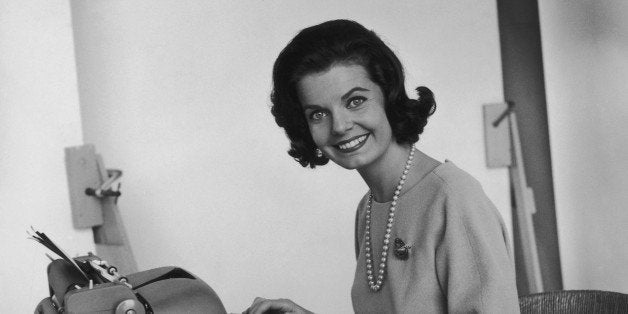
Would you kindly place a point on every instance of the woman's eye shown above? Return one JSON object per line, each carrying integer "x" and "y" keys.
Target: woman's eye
{"x": 355, "y": 102}
{"x": 317, "y": 115}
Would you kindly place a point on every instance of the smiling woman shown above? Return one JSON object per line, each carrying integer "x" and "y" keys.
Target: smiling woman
{"x": 427, "y": 237}
{"x": 345, "y": 112}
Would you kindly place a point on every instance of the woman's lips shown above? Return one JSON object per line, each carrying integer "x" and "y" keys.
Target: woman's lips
{"x": 352, "y": 144}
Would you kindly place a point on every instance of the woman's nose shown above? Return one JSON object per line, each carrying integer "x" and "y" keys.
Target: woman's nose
{"x": 341, "y": 123}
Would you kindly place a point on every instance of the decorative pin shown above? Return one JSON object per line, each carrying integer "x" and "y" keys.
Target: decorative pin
{"x": 402, "y": 251}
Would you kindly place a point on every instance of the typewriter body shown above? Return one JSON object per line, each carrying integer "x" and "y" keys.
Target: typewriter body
{"x": 100, "y": 289}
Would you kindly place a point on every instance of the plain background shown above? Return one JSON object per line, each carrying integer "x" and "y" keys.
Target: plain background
{"x": 175, "y": 93}
{"x": 585, "y": 49}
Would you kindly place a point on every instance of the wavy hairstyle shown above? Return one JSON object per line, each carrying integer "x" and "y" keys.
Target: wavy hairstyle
{"x": 316, "y": 49}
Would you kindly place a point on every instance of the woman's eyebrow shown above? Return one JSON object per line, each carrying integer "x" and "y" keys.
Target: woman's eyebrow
{"x": 343, "y": 97}
{"x": 351, "y": 91}
{"x": 311, "y": 107}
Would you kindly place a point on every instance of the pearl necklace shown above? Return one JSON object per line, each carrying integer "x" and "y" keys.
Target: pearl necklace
{"x": 376, "y": 285}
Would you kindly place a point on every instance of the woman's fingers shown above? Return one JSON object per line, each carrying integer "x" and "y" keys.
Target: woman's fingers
{"x": 261, "y": 306}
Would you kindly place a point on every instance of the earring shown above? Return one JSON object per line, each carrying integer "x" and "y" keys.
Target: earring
{"x": 319, "y": 153}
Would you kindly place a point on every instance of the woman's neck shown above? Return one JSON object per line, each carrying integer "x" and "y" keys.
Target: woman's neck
{"x": 383, "y": 175}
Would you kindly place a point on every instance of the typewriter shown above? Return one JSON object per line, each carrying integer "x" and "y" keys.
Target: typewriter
{"x": 88, "y": 284}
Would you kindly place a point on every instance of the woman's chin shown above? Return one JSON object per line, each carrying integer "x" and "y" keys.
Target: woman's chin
{"x": 350, "y": 162}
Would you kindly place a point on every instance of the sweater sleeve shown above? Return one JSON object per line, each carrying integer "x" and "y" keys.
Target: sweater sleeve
{"x": 474, "y": 268}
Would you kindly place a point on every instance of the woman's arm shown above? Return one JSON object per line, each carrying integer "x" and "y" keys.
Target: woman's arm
{"x": 474, "y": 266}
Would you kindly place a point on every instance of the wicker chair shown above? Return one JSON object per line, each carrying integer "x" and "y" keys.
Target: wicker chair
{"x": 574, "y": 301}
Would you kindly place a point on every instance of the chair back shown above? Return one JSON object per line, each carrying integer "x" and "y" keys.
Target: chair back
{"x": 574, "y": 302}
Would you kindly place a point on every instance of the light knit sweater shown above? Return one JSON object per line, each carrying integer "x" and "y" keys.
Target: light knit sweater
{"x": 459, "y": 260}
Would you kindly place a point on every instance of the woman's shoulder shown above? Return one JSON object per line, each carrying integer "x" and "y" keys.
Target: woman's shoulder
{"x": 441, "y": 181}
{"x": 461, "y": 193}
{"x": 455, "y": 189}
{"x": 453, "y": 179}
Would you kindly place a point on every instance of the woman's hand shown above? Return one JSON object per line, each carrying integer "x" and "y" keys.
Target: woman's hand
{"x": 261, "y": 305}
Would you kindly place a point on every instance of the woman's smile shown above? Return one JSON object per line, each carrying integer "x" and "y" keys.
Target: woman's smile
{"x": 352, "y": 144}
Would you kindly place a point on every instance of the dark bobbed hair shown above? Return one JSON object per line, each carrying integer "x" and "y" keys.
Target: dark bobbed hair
{"x": 316, "y": 49}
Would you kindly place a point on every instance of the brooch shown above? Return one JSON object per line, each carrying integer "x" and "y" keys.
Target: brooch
{"x": 402, "y": 251}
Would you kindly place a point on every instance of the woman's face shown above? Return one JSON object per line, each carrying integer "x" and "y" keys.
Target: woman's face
{"x": 345, "y": 113}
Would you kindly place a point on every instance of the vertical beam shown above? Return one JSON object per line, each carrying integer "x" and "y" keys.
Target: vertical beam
{"x": 522, "y": 66}
{"x": 525, "y": 208}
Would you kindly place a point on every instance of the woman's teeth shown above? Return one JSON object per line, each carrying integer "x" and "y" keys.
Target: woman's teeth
{"x": 353, "y": 143}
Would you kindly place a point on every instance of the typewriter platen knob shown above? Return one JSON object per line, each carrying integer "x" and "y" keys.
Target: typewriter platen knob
{"x": 130, "y": 307}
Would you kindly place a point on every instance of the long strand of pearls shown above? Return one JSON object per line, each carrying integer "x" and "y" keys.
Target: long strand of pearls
{"x": 376, "y": 285}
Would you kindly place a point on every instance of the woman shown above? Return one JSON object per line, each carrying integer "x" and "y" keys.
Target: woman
{"x": 427, "y": 238}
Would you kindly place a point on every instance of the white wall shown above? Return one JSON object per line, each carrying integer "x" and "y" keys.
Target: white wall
{"x": 585, "y": 44}
{"x": 176, "y": 94}
{"x": 39, "y": 115}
